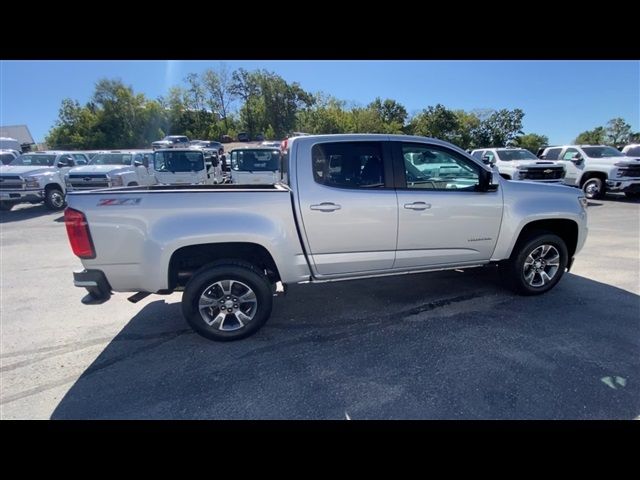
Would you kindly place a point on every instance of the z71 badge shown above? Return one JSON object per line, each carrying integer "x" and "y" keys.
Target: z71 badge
{"x": 112, "y": 202}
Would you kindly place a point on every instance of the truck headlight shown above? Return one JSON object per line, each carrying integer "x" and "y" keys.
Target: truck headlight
{"x": 33, "y": 182}
{"x": 116, "y": 181}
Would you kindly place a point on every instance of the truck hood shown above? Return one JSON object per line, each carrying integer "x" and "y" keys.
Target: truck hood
{"x": 536, "y": 164}
{"x": 25, "y": 170}
{"x": 613, "y": 160}
{"x": 628, "y": 161}
{"x": 99, "y": 169}
{"x": 542, "y": 189}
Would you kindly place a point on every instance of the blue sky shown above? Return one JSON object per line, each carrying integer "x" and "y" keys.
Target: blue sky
{"x": 560, "y": 98}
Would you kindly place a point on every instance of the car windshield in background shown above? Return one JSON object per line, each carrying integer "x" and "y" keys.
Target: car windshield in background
{"x": 178, "y": 161}
{"x": 601, "y": 152}
{"x": 6, "y": 158}
{"x": 509, "y": 155}
{"x": 255, "y": 160}
{"x": 40, "y": 160}
{"x": 111, "y": 159}
{"x": 633, "y": 152}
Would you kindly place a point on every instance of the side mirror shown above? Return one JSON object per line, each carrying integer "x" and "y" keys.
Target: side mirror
{"x": 64, "y": 163}
{"x": 489, "y": 181}
{"x": 137, "y": 163}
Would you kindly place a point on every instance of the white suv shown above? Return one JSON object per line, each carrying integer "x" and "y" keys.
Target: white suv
{"x": 117, "y": 168}
{"x": 597, "y": 169}
{"x": 521, "y": 164}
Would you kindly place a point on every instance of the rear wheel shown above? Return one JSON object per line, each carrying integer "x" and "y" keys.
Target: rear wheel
{"x": 593, "y": 188}
{"x": 54, "y": 198}
{"x": 536, "y": 264}
{"x": 227, "y": 300}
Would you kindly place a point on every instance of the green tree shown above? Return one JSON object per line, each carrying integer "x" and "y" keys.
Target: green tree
{"x": 438, "y": 122}
{"x": 499, "y": 128}
{"x": 468, "y": 122}
{"x": 392, "y": 114}
{"x": 597, "y": 136}
{"x": 245, "y": 85}
{"x": 617, "y": 132}
{"x": 531, "y": 141}
{"x": 218, "y": 84}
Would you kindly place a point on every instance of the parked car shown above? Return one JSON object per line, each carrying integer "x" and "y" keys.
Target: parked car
{"x": 117, "y": 168}
{"x": 35, "y": 178}
{"x": 8, "y": 143}
{"x": 371, "y": 214}
{"x": 521, "y": 164}
{"x": 185, "y": 167}
{"x": 243, "y": 137}
{"x": 171, "y": 141}
{"x": 255, "y": 166}
{"x": 259, "y": 137}
{"x": 597, "y": 169}
{"x": 632, "y": 150}
{"x": 226, "y": 139}
{"x": 8, "y": 155}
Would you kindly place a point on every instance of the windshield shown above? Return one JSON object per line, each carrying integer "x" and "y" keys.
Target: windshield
{"x": 508, "y": 155}
{"x": 255, "y": 160}
{"x": 40, "y": 160}
{"x": 111, "y": 159}
{"x": 601, "y": 152}
{"x": 178, "y": 161}
{"x": 6, "y": 158}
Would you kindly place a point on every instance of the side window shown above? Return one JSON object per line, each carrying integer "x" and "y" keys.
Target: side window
{"x": 80, "y": 159}
{"x": 552, "y": 154}
{"x": 435, "y": 168}
{"x": 477, "y": 154}
{"x": 489, "y": 155}
{"x": 66, "y": 158}
{"x": 569, "y": 154}
{"x": 348, "y": 164}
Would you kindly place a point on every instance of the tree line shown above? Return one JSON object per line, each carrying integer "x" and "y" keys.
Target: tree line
{"x": 220, "y": 102}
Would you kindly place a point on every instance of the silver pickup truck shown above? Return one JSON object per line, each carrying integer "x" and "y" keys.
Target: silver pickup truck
{"x": 347, "y": 206}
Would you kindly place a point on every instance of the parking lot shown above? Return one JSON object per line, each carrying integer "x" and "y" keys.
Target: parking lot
{"x": 450, "y": 345}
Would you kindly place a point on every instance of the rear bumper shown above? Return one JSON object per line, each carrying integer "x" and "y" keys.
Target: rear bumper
{"x": 624, "y": 185}
{"x": 22, "y": 195}
{"x": 96, "y": 284}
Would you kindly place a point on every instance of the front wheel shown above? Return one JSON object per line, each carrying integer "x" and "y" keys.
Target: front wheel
{"x": 227, "y": 301}
{"x": 54, "y": 199}
{"x": 536, "y": 264}
{"x": 593, "y": 188}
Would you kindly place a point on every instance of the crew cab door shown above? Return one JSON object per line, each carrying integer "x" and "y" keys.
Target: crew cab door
{"x": 573, "y": 167}
{"x": 347, "y": 205}
{"x": 443, "y": 218}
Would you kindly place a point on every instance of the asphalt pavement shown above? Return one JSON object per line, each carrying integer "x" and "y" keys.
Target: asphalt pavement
{"x": 448, "y": 345}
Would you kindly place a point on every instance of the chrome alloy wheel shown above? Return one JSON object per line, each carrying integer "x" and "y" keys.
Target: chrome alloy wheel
{"x": 57, "y": 199}
{"x": 541, "y": 265}
{"x": 228, "y": 305}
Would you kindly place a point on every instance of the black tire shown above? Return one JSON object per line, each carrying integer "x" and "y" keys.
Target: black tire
{"x": 6, "y": 206}
{"x": 54, "y": 199}
{"x": 513, "y": 270}
{"x": 235, "y": 270}
{"x": 593, "y": 188}
{"x": 632, "y": 195}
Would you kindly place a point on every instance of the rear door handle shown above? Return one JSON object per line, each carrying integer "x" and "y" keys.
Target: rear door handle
{"x": 326, "y": 207}
{"x": 417, "y": 206}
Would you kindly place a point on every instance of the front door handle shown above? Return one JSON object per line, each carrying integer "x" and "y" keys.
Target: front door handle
{"x": 417, "y": 206}
{"x": 326, "y": 207}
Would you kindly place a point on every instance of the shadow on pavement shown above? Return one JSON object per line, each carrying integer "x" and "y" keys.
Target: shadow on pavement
{"x": 19, "y": 213}
{"x": 443, "y": 345}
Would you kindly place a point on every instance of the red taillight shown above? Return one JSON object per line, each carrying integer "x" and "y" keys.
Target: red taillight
{"x": 78, "y": 233}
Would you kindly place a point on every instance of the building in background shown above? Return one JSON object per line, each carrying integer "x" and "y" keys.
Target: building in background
{"x": 20, "y": 133}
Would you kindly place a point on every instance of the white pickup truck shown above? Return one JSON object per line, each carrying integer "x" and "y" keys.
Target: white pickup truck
{"x": 353, "y": 206}
{"x": 37, "y": 177}
{"x": 521, "y": 164}
{"x": 597, "y": 169}
{"x": 255, "y": 165}
{"x": 117, "y": 168}
{"x": 187, "y": 167}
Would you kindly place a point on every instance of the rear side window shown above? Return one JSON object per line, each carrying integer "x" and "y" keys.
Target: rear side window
{"x": 552, "y": 154}
{"x": 348, "y": 164}
{"x": 477, "y": 154}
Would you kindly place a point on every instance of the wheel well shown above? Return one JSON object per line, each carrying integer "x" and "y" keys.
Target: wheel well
{"x": 187, "y": 260}
{"x": 565, "y": 229}
{"x": 586, "y": 176}
{"x": 505, "y": 176}
{"x": 131, "y": 184}
{"x": 52, "y": 185}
